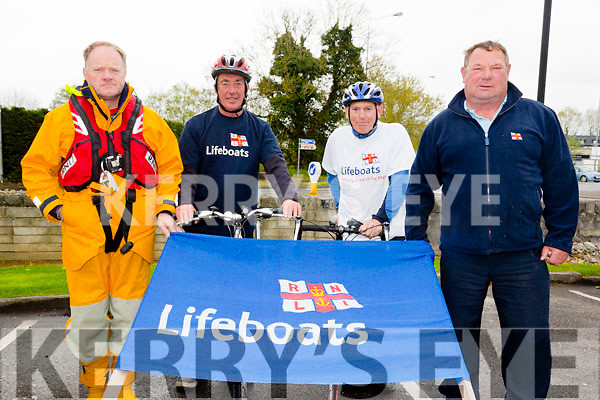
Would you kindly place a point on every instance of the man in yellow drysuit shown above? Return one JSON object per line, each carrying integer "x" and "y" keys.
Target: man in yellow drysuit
{"x": 109, "y": 169}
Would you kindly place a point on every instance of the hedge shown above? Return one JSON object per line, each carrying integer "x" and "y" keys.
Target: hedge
{"x": 19, "y": 127}
{"x": 176, "y": 127}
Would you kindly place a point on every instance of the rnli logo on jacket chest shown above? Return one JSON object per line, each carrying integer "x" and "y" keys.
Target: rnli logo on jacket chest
{"x": 301, "y": 296}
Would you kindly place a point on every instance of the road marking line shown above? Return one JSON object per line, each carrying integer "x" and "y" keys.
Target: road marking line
{"x": 12, "y": 335}
{"x": 585, "y": 295}
{"x": 414, "y": 390}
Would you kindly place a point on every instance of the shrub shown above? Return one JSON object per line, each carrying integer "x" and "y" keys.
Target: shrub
{"x": 19, "y": 127}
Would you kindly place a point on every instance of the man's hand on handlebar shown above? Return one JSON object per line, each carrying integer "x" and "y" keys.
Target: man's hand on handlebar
{"x": 185, "y": 213}
{"x": 371, "y": 228}
{"x": 291, "y": 208}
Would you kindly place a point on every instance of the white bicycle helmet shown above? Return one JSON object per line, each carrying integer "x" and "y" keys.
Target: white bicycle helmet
{"x": 231, "y": 64}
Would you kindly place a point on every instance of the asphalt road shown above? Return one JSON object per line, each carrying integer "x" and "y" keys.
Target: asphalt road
{"x": 589, "y": 190}
{"x": 38, "y": 343}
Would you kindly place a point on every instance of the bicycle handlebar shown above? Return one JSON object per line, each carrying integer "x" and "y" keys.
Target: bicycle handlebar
{"x": 352, "y": 228}
{"x": 333, "y": 228}
{"x": 265, "y": 213}
{"x": 228, "y": 216}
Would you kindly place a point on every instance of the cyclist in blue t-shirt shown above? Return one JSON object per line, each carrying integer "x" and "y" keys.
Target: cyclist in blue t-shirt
{"x": 221, "y": 151}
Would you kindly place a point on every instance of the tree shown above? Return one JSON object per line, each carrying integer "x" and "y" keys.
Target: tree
{"x": 592, "y": 122}
{"x": 292, "y": 91}
{"x": 406, "y": 102}
{"x": 311, "y": 23}
{"x": 60, "y": 97}
{"x": 342, "y": 63}
{"x": 571, "y": 121}
{"x": 176, "y": 105}
{"x": 304, "y": 91}
{"x": 18, "y": 98}
{"x": 181, "y": 102}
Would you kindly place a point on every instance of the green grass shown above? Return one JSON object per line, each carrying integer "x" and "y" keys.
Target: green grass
{"x": 293, "y": 172}
{"x": 583, "y": 269}
{"x": 32, "y": 280}
{"x": 44, "y": 280}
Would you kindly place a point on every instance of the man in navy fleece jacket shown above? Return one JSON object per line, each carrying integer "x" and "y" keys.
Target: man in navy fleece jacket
{"x": 502, "y": 162}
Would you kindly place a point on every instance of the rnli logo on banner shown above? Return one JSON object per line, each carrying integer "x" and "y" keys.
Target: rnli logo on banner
{"x": 516, "y": 136}
{"x": 370, "y": 159}
{"x": 301, "y": 296}
{"x": 238, "y": 140}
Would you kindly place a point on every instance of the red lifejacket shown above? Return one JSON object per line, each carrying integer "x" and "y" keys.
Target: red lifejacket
{"x": 123, "y": 151}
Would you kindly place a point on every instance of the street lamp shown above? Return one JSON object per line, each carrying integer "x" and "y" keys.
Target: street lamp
{"x": 396, "y": 14}
{"x": 544, "y": 52}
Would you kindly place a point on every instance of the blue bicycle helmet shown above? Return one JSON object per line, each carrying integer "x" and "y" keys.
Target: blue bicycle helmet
{"x": 360, "y": 91}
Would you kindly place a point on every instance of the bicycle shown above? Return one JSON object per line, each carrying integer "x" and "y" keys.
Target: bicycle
{"x": 237, "y": 221}
{"x": 337, "y": 232}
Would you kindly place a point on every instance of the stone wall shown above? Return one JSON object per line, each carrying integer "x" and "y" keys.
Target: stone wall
{"x": 25, "y": 236}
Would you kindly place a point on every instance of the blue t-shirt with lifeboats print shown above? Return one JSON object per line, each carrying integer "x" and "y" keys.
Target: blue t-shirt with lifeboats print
{"x": 221, "y": 156}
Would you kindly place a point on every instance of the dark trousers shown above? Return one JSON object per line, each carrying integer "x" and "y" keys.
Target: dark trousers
{"x": 521, "y": 289}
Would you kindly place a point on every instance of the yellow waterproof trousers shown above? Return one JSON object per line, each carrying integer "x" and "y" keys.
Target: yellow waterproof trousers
{"x": 107, "y": 282}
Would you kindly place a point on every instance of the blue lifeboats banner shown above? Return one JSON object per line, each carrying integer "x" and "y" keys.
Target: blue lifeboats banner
{"x": 300, "y": 312}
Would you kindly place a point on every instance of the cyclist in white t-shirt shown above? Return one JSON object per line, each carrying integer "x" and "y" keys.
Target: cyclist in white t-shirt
{"x": 368, "y": 163}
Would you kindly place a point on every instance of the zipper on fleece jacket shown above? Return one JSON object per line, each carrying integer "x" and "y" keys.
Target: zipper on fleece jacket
{"x": 487, "y": 171}
{"x": 487, "y": 179}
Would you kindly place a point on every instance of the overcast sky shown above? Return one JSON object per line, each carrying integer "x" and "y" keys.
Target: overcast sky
{"x": 167, "y": 42}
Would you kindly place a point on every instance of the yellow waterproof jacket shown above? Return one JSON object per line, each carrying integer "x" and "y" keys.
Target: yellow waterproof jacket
{"x": 83, "y": 234}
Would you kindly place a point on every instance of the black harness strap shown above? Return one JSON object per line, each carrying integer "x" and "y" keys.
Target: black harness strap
{"x": 125, "y": 224}
{"x": 112, "y": 243}
{"x": 105, "y": 217}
